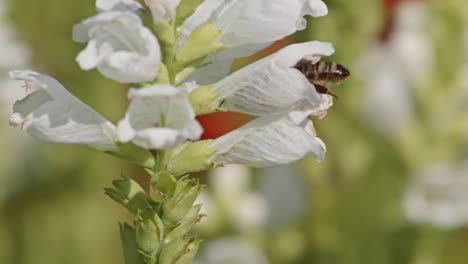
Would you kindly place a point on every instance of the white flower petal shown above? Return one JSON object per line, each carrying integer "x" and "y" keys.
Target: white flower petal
{"x": 219, "y": 64}
{"x": 273, "y": 85}
{"x": 246, "y": 21}
{"x": 51, "y": 114}
{"x": 159, "y": 117}
{"x": 117, "y": 5}
{"x": 202, "y": 14}
{"x": 268, "y": 141}
{"x": 120, "y": 47}
{"x": 163, "y": 10}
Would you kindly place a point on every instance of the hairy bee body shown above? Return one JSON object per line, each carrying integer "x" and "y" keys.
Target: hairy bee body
{"x": 322, "y": 73}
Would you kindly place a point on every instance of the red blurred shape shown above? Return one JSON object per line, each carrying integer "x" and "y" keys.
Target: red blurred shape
{"x": 218, "y": 124}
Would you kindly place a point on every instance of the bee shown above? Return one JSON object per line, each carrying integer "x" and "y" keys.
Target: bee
{"x": 322, "y": 73}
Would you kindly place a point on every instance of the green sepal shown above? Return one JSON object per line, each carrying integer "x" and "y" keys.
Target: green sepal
{"x": 184, "y": 226}
{"x": 204, "y": 100}
{"x": 191, "y": 157}
{"x": 163, "y": 186}
{"x": 134, "y": 154}
{"x": 202, "y": 42}
{"x": 127, "y": 236}
{"x": 128, "y": 193}
{"x": 178, "y": 205}
{"x": 149, "y": 234}
{"x": 180, "y": 251}
{"x": 184, "y": 73}
{"x": 185, "y": 9}
{"x": 163, "y": 74}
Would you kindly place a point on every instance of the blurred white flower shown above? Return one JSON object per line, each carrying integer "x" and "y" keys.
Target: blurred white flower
{"x": 119, "y": 46}
{"x": 158, "y": 117}
{"x": 247, "y": 27}
{"x": 410, "y": 43}
{"x": 387, "y": 104}
{"x": 268, "y": 141}
{"x": 117, "y": 5}
{"x": 162, "y": 10}
{"x": 231, "y": 186}
{"x": 272, "y": 85}
{"x": 284, "y": 193}
{"x": 438, "y": 196}
{"x": 231, "y": 250}
{"x": 51, "y": 114}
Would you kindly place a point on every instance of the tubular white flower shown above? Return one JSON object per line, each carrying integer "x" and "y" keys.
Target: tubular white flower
{"x": 245, "y": 22}
{"x": 268, "y": 141}
{"x": 158, "y": 117}
{"x": 117, "y": 5}
{"x": 272, "y": 85}
{"x": 51, "y": 114}
{"x": 246, "y": 27}
{"x": 163, "y": 10}
{"x": 119, "y": 46}
{"x": 438, "y": 196}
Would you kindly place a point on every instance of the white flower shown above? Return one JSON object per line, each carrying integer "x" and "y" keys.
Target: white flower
{"x": 439, "y": 197}
{"x": 117, "y": 5}
{"x": 245, "y": 21}
{"x": 248, "y": 26}
{"x": 268, "y": 141}
{"x": 163, "y": 10}
{"x": 158, "y": 117}
{"x": 263, "y": 21}
{"x": 119, "y": 46}
{"x": 51, "y": 114}
{"x": 231, "y": 250}
{"x": 273, "y": 85}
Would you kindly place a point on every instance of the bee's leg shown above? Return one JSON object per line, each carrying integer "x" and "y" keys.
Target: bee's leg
{"x": 324, "y": 90}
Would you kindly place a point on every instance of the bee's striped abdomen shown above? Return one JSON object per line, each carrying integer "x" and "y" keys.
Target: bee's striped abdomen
{"x": 322, "y": 72}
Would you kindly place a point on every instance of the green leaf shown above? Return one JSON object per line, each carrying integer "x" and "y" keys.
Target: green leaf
{"x": 127, "y": 236}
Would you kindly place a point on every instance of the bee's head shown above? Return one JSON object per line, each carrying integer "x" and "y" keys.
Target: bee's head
{"x": 343, "y": 72}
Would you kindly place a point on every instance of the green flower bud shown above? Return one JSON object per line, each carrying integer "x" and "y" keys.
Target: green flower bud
{"x": 191, "y": 157}
{"x": 177, "y": 206}
{"x": 185, "y": 9}
{"x": 163, "y": 186}
{"x": 204, "y": 100}
{"x": 202, "y": 42}
{"x": 135, "y": 154}
{"x": 128, "y": 193}
{"x": 184, "y": 226}
{"x": 180, "y": 251}
{"x": 149, "y": 234}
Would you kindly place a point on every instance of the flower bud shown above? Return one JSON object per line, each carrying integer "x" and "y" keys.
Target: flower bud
{"x": 184, "y": 226}
{"x": 178, "y": 205}
{"x": 149, "y": 234}
{"x": 180, "y": 251}
{"x": 200, "y": 43}
{"x": 163, "y": 186}
{"x": 128, "y": 193}
{"x": 190, "y": 157}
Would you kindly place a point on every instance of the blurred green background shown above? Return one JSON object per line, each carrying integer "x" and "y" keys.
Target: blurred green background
{"x": 393, "y": 189}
